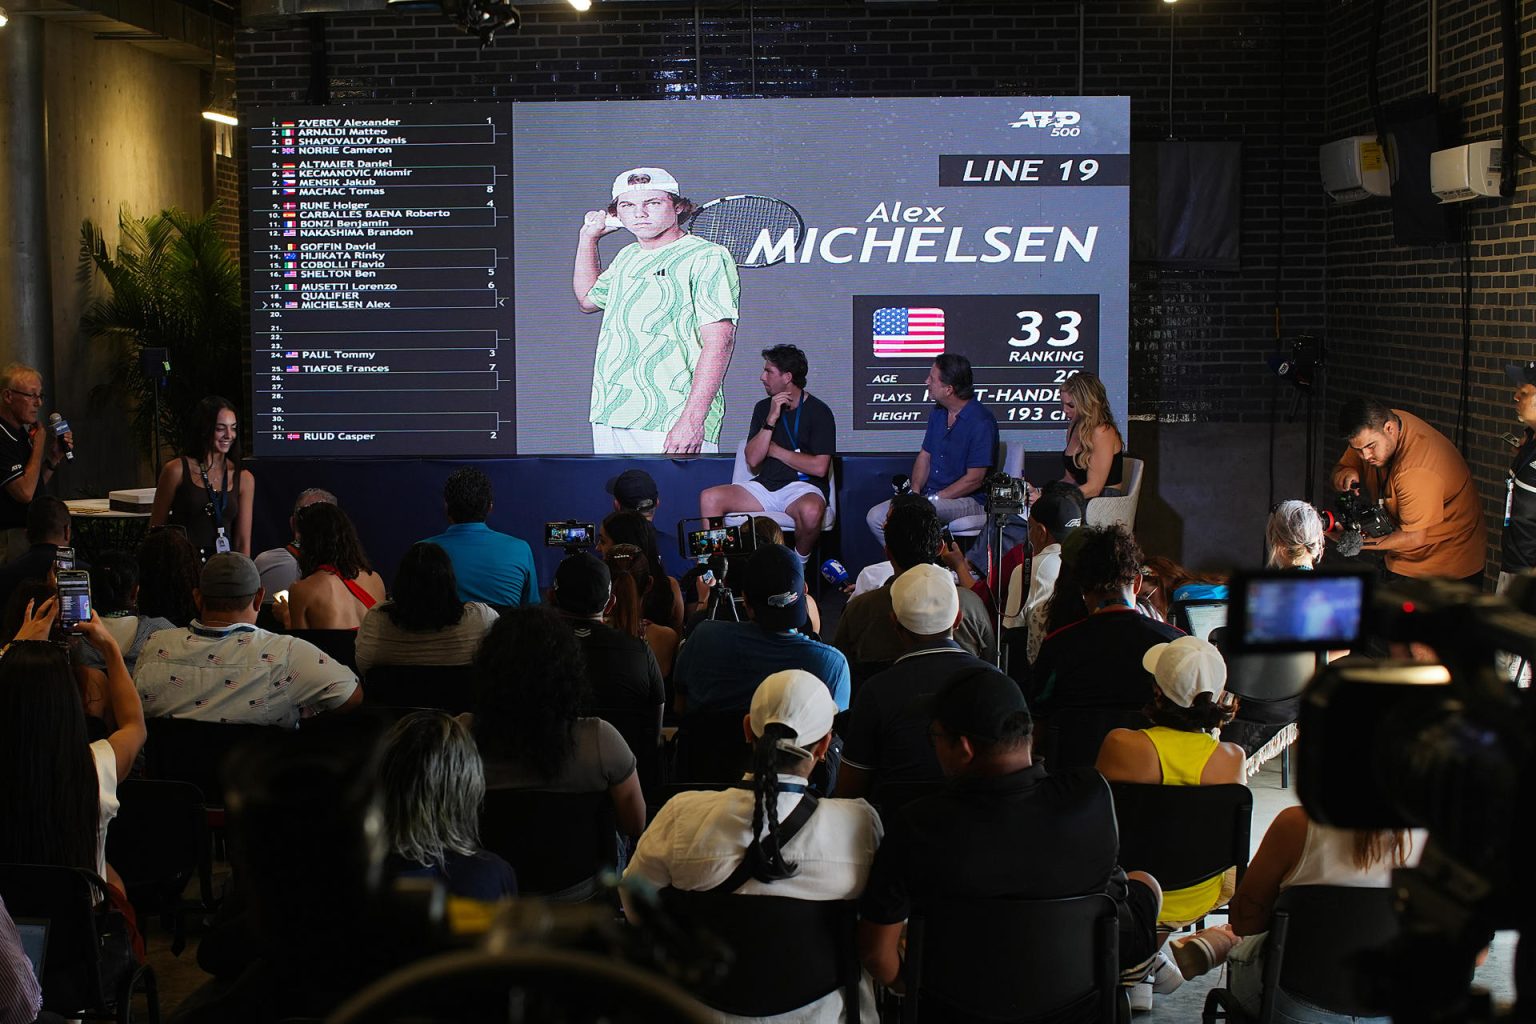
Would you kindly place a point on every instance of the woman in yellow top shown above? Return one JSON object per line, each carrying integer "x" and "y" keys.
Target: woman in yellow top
{"x": 1182, "y": 748}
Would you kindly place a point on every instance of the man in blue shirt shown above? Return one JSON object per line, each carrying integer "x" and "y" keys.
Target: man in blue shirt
{"x": 959, "y": 449}
{"x": 491, "y": 567}
{"x": 718, "y": 669}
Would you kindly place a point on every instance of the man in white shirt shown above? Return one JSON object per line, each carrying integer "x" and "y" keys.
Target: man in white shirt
{"x": 223, "y": 668}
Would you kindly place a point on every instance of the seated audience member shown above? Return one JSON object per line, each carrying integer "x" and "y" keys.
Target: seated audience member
{"x": 1002, "y": 829}
{"x": 48, "y": 529}
{"x": 1295, "y": 851}
{"x": 769, "y": 532}
{"x": 1166, "y": 582}
{"x": 57, "y": 791}
{"x": 887, "y": 735}
{"x": 338, "y": 586}
{"x": 279, "y": 566}
{"x": 623, "y": 679}
{"x": 114, "y": 596}
{"x": 1096, "y": 662}
{"x": 719, "y": 667}
{"x": 425, "y": 623}
{"x": 21, "y": 997}
{"x": 168, "y": 574}
{"x": 633, "y": 579}
{"x": 878, "y": 574}
{"x": 1053, "y": 518}
{"x": 223, "y": 668}
{"x": 529, "y": 725}
{"x": 634, "y": 490}
{"x": 664, "y": 603}
{"x": 432, "y": 783}
{"x": 492, "y": 567}
{"x": 1293, "y": 535}
{"x": 699, "y": 839}
{"x": 1182, "y": 747}
{"x": 866, "y": 633}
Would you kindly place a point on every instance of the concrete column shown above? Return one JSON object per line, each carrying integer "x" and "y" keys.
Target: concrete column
{"x": 26, "y": 293}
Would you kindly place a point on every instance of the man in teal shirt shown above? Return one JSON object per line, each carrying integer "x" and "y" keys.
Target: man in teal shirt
{"x": 492, "y": 567}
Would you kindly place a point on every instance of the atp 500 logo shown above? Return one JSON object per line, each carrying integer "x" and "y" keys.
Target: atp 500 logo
{"x": 1060, "y": 122}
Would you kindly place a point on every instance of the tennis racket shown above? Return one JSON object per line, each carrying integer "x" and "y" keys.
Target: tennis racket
{"x": 737, "y": 222}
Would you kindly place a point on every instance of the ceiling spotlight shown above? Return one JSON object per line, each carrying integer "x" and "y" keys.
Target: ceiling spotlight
{"x": 581, "y": 5}
{"x": 222, "y": 118}
{"x": 3, "y": 17}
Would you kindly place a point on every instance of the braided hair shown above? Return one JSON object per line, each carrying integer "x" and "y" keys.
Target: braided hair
{"x": 768, "y": 863}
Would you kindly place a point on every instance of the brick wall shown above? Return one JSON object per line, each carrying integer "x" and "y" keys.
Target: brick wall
{"x": 1395, "y": 312}
{"x": 1243, "y": 69}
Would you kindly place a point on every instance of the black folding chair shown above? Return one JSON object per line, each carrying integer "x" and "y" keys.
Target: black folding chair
{"x": 1315, "y": 940}
{"x": 784, "y": 953}
{"x": 1183, "y": 835}
{"x": 641, "y": 729}
{"x": 89, "y": 971}
{"x": 1071, "y": 737}
{"x": 554, "y": 841}
{"x": 449, "y": 688}
{"x": 710, "y": 747}
{"x": 340, "y": 644}
{"x": 1014, "y": 961}
{"x": 157, "y": 843}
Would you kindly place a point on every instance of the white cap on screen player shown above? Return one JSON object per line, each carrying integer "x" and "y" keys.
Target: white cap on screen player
{"x": 641, "y": 178}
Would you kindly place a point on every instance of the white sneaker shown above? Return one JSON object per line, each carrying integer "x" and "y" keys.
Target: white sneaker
{"x": 1141, "y": 997}
{"x": 1165, "y": 975}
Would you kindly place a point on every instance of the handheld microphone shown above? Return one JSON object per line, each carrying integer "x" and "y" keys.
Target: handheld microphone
{"x": 901, "y": 484}
{"x": 61, "y": 427}
{"x": 834, "y": 572}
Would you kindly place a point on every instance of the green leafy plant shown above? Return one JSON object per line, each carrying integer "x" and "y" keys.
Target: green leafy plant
{"x": 174, "y": 285}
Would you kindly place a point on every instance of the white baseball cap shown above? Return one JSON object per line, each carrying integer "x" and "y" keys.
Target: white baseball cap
{"x": 1186, "y": 668}
{"x": 797, "y": 699}
{"x": 925, "y": 599}
{"x": 642, "y": 178}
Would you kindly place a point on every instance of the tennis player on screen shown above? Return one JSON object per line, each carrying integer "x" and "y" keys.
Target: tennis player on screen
{"x": 669, "y": 303}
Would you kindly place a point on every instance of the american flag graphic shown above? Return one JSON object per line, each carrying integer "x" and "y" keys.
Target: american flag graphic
{"x": 903, "y": 333}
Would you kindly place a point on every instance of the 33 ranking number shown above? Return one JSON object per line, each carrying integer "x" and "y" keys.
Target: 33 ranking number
{"x": 1064, "y": 329}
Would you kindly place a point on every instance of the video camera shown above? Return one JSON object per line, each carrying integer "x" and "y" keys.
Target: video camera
{"x": 1006, "y": 495}
{"x": 1357, "y": 517}
{"x": 1400, "y": 743}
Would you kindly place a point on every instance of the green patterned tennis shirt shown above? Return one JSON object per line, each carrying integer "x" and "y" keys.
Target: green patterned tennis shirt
{"x": 654, "y": 301}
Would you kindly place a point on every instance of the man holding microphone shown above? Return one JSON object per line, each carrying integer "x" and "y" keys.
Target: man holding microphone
{"x": 1420, "y": 480}
{"x": 29, "y": 452}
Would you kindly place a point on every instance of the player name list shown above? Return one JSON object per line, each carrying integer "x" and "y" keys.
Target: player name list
{"x": 381, "y": 282}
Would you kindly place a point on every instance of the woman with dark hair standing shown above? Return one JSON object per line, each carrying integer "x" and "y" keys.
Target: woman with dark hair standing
{"x": 205, "y": 490}
{"x": 168, "y": 573}
{"x": 664, "y": 603}
{"x": 425, "y": 623}
{"x": 532, "y": 679}
{"x": 58, "y": 792}
{"x": 432, "y": 784}
{"x": 769, "y": 835}
{"x": 336, "y": 584}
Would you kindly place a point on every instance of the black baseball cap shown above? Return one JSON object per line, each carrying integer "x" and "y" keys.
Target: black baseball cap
{"x": 633, "y": 489}
{"x": 582, "y": 584}
{"x": 978, "y": 702}
{"x": 1057, "y": 512}
{"x": 1520, "y": 373}
{"x": 775, "y": 587}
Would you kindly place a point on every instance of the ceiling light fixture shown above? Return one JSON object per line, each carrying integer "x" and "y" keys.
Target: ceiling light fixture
{"x": 222, "y": 118}
{"x": 3, "y": 17}
{"x": 581, "y": 5}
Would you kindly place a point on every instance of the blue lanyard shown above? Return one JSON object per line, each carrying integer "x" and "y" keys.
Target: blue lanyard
{"x": 222, "y": 496}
